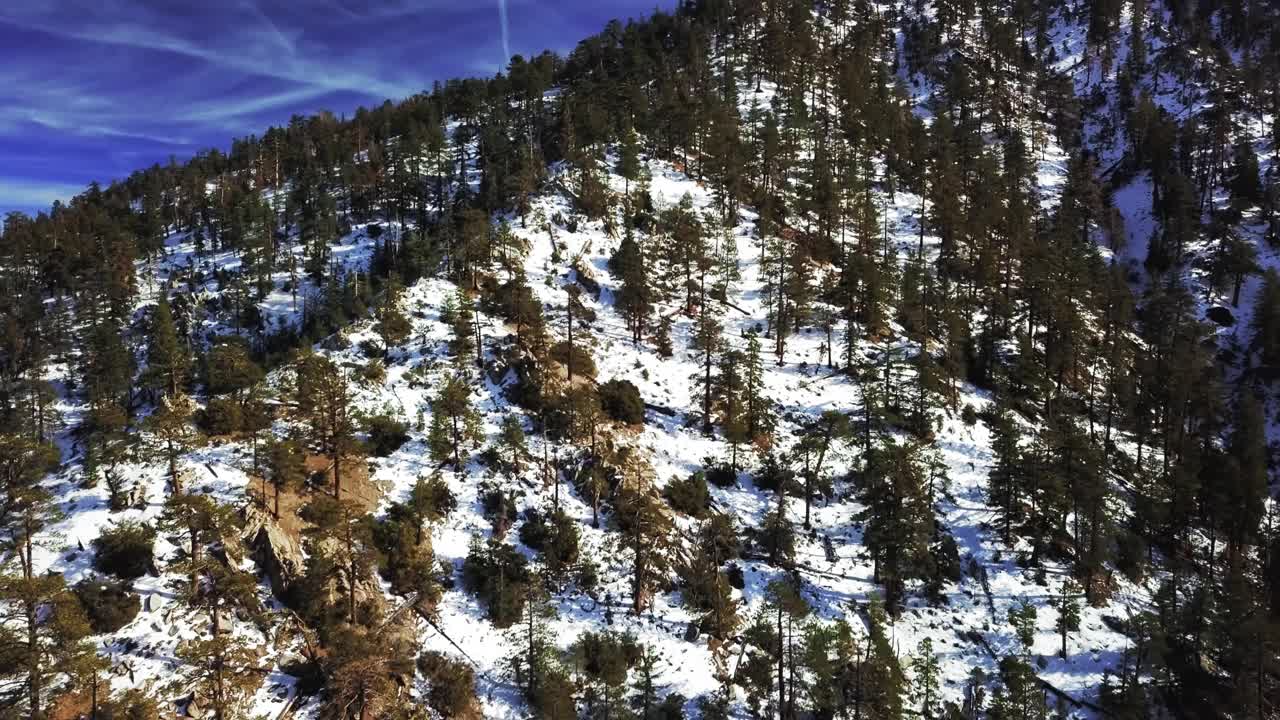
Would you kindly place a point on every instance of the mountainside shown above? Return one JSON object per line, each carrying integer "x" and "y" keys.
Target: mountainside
{"x": 760, "y": 359}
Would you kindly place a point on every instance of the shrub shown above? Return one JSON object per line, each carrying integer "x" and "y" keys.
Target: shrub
{"x": 222, "y": 416}
{"x": 583, "y": 364}
{"x": 555, "y": 536}
{"x": 108, "y": 604}
{"x": 451, "y": 683}
{"x": 386, "y": 434}
{"x": 606, "y": 656}
{"x": 969, "y": 416}
{"x": 125, "y": 550}
{"x": 621, "y": 401}
{"x": 499, "y": 509}
{"x": 721, "y": 475}
{"x": 373, "y": 373}
{"x": 132, "y": 704}
{"x": 498, "y": 575}
{"x": 689, "y": 495}
{"x": 672, "y": 707}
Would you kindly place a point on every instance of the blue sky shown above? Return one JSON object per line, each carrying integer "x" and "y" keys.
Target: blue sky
{"x": 94, "y": 89}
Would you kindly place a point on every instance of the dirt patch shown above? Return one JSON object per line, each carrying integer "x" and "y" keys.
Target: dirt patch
{"x": 357, "y": 487}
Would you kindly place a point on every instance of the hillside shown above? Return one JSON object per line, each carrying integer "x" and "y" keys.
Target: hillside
{"x": 755, "y": 360}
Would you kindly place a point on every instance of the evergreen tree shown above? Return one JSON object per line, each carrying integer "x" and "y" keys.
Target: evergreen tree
{"x": 342, "y": 536}
{"x": 1067, "y": 603}
{"x": 924, "y": 666}
{"x": 393, "y": 327}
{"x": 170, "y": 422}
{"x": 898, "y": 516}
{"x": 224, "y": 672}
{"x": 646, "y": 528}
{"x": 168, "y": 360}
{"x": 323, "y": 401}
{"x": 286, "y": 470}
{"x": 455, "y": 424}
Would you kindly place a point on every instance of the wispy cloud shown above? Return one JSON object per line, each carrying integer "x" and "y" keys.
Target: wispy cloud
{"x": 19, "y": 193}
{"x": 506, "y": 31}
{"x": 247, "y": 42}
{"x": 99, "y": 88}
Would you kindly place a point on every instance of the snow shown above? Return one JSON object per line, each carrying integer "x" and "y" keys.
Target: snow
{"x": 802, "y": 384}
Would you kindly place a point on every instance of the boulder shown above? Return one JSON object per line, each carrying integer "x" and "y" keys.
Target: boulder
{"x": 275, "y": 551}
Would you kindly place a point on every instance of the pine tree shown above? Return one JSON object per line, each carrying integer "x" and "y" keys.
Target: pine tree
{"x": 393, "y": 327}
{"x": 707, "y": 342}
{"x": 323, "y": 400}
{"x": 1067, "y": 603}
{"x": 211, "y": 581}
{"x": 634, "y": 299}
{"x": 646, "y": 527}
{"x": 758, "y": 409}
{"x": 365, "y": 671}
{"x": 466, "y": 330}
{"x": 511, "y": 439}
{"x": 168, "y": 360}
{"x": 1006, "y": 483}
{"x": 924, "y": 667}
{"x": 170, "y": 422}
{"x": 899, "y": 519}
{"x": 286, "y": 470}
{"x": 225, "y": 672}
{"x": 816, "y": 440}
{"x": 884, "y": 682}
{"x": 342, "y": 535}
{"x": 536, "y": 657}
{"x": 455, "y": 423}
{"x": 44, "y": 631}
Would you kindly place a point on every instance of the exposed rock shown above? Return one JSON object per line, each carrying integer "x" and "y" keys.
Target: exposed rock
{"x": 275, "y": 551}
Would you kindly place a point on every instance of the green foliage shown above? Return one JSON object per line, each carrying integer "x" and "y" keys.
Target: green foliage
{"x": 406, "y": 557}
{"x": 689, "y": 495}
{"x": 583, "y": 363}
{"x": 286, "y": 469}
{"x": 324, "y": 403}
{"x": 451, "y": 683}
{"x": 499, "y": 508}
{"x": 1023, "y": 620}
{"x": 455, "y": 423}
{"x": 555, "y": 536}
{"x": 498, "y": 575}
{"x": 44, "y": 637}
{"x": 168, "y": 360}
{"x": 108, "y": 605}
{"x": 386, "y": 433}
{"x": 621, "y": 401}
{"x": 393, "y": 327}
{"x": 924, "y": 667}
{"x": 1067, "y": 603}
{"x": 125, "y": 549}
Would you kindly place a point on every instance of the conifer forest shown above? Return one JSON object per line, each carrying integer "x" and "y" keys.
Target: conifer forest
{"x": 794, "y": 359}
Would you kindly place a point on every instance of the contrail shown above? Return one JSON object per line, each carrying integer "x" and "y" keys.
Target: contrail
{"x": 506, "y": 34}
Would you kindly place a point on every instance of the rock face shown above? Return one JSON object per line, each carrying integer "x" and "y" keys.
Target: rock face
{"x": 276, "y": 552}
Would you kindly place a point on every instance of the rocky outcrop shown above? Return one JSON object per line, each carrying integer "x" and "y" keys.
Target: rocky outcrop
{"x": 275, "y": 551}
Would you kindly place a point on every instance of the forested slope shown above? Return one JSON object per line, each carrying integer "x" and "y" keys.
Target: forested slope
{"x": 770, "y": 359}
